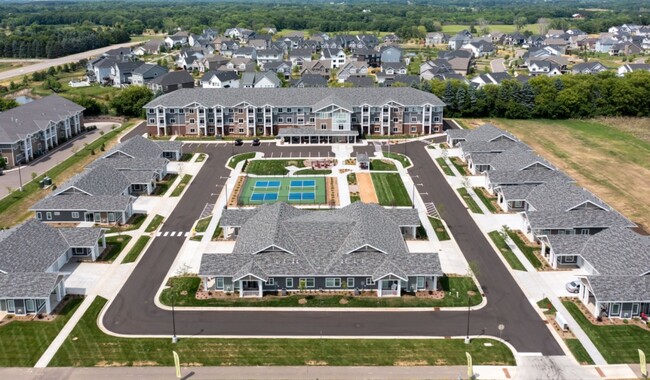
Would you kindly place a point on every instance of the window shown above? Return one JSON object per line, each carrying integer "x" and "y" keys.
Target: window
{"x": 289, "y": 120}
{"x": 414, "y": 129}
{"x": 241, "y": 130}
{"x": 29, "y": 305}
{"x": 311, "y": 119}
{"x": 75, "y": 215}
{"x": 616, "y": 309}
{"x": 191, "y": 121}
{"x": 280, "y": 120}
{"x": 395, "y": 130}
{"x": 241, "y": 121}
{"x": 436, "y": 119}
{"x": 375, "y": 119}
{"x": 289, "y": 282}
{"x": 635, "y": 309}
{"x": 332, "y": 282}
{"x": 39, "y": 216}
{"x": 270, "y": 281}
{"x": 240, "y": 110}
{"x": 231, "y": 130}
{"x": 192, "y": 130}
{"x": 414, "y": 119}
{"x": 300, "y": 120}
{"x": 307, "y": 282}
{"x": 111, "y": 216}
{"x": 350, "y": 282}
{"x": 182, "y": 110}
{"x": 151, "y": 110}
{"x": 201, "y": 111}
{"x": 230, "y": 120}
{"x": 172, "y": 110}
{"x": 210, "y": 120}
{"x": 279, "y": 110}
{"x": 584, "y": 231}
{"x": 369, "y": 281}
{"x": 323, "y": 126}
{"x": 341, "y": 127}
{"x": 152, "y": 121}
{"x": 219, "y": 283}
{"x": 395, "y": 120}
{"x": 172, "y": 121}
{"x": 48, "y": 215}
{"x": 420, "y": 283}
{"x": 288, "y": 110}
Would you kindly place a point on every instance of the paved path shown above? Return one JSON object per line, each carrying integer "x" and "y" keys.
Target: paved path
{"x": 11, "y": 178}
{"x": 133, "y": 311}
{"x": 497, "y": 65}
{"x": 45, "y": 64}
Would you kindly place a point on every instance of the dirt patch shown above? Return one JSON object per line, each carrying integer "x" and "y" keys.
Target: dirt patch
{"x": 407, "y": 363}
{"x": 332, "y": 191}
{"x": 315, "y": 363}
{"x": 343, "y": 301}
{"x": 302, "y": 301}
{"x": 145, "y": 363}
{"x": 366, "y": 188}
{"x": 105, "y": 363}
{"x": 192, "y": 364}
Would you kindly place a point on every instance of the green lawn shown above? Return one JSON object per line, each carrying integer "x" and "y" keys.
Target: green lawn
{"x": 186, "y": 157}
{"x": 155, "y": 222}
{"x": 240, "y": 157}
{"x": 471, "y": 204}
{"x": 578, "y": 351}
{"x": 399, "y": 157}
{"x": 313, "y": 171}
{"x": 202, "y": 224}
{"x": 382, "y": 165}
{"x": 439, "y": 229}
{"x": 459, "y": 165}
{"x": 116, "y": 245}
{"x": 23, "y": 342}
{"x": 525, "y": 249}
{"x": 445, "y": 168}
{"x": 272, "y": 167}
{"x": 88, "y": 346}
{"x": 504, "y": 28}
{"x": 617, "y": 344}
{"x": 178, "y": 190}
{"x": 163, "y": 186}
{"x": 14, "y": 207}
{"x": 506, "y": 251}
{"x": 134, "y": 223}
{"x": 486, "y": 201}
{"x": 184, "y": 289}
{"x": 201, "y": 158}
{"x": 544, "y": 303}
{"x": 390, "y": 189}
{"x": 136, "y": 249}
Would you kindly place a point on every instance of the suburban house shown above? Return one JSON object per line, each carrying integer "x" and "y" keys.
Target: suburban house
{"x": 506, "y": 184}
{"x": 624, "y": 296}
{"x": 31, "y": 259}
{"x": 282, "y": 67}
{"x": 544, "y": 67}
{"x": 336, "y": 57}
{"x": 490, "y": 78}
{"x": 177, "y": 39}
{"x": 369, "y": 56}
{"x": 631, "y": 67}
{"x": 152, "y": 46}
{"x": 436, "y": 38}
{"x": 146, "y": 73}
{"x": 479, "y": 48}
{"x": 459, "y": 60}
{"x": 391, "y": 54}
{"x": 484, "y": 133}
{"x": 393, "y": 68}
{"x": 245, "y": 52}
{"x": 33, "y": 129}
{"x": 121, "y": 72}
{"x": 298, "y": 57}
{"x": 269, "y": 55}
{"x": 317, "y": 112}
{"x": 320, "y": 67}
{"x": 352, "y": 69}
{"x": 592, "y": 67}
{"x": 517, "y": 157}
{"x": 240, "y": 65}
{"x": 260, "y": 79}
{"x": 171, "y": 81}
{"x": 220, "y": 79}
{"x": 360, "y": 81}
{"x": 99, "y": 69}
{"x": 359, "y": 247}
{"x": 310, "y": 80}
{"x": 459, "y": 39}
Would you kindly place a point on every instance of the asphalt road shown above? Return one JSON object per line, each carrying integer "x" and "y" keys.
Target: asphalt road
{"x": 45, "y": 64}
{"x": 133, "y": 311}
{"x": 498, "y": 65}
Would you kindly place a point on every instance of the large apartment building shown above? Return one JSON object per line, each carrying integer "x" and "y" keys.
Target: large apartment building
{"x": 297, "y": 115}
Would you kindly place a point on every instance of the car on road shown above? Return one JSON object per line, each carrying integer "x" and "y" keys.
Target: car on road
{"x": 239, "y": 142}
{"x": 573, "y": 286}
{"x": 256, "y": 142}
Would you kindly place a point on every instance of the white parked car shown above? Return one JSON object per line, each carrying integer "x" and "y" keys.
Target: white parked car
{"x": 573, "y": 287}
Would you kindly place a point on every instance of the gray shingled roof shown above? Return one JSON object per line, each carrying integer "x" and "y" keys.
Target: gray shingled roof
{"x": 488, "y": 132}
{"x": 35, "y": 116}
{"x": 521, "y": 177}
{"x": 576, "y": 219}
{"x": 306, "y": 97}
{"x": 307, "y": 131}
{"x": 516, "y": 192}
{"x": 173, "y": 77}
{"x": 620, "y": 288}
{"x": 138, "y": 147}
{"x": 615, "y": 251}
{"x": 32, "y": 247}
{"x": 559, "y": 195}
{"x": 27, "y": 285}
{"x": 518, "y": 158}
{"x": 124, "y": 163}
{"x": 457, "y": 134}
{"x": 83, "y": 203}
{"x": 170, "y": 146}
{"x": 359, "y": 239}
{"x": 98, "y": 180}
{"x": 497, "y": 146}
{"x": 81, "y": 237}
{"x": 139, "y": 176}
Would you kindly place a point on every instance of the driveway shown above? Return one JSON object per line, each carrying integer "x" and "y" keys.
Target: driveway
{"x": 133, "y": 310}
{"x": 498, "y": 65}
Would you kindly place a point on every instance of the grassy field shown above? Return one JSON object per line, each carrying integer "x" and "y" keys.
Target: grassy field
{"x": 382, "y": 165}
{"x": 610, "y": 157}
{"x": 272, "y": 167}
{"x": 578, "y": 351}
{"x": 178, "y": 190}
{"x": 240, "y": 157}
{"x": 184, "y": 289}
{"x": 527, "y": 250}
{"x": 506, "y": 251}
{"x": 445, "y": 168}
{"x": 309, "y": 171}
{"x": 390, "y": 189}
{"x": 23, "y": 342}
{"x": 504, "y": 28}
{"x": 405, "y": 161}
{"x": 155, "y": 222}
{"x": 202, "y": 224}
{"x": 14, "y": 208}
{"x": 471, "y": 204}
{"x": 89, "y": 347}
{"x": 617, "y": 344}
{"x": 117, "y": 244}
{"x": 136, "y": 249}
{"x": 484, "y": 198}
{"x": 439, "y": 229}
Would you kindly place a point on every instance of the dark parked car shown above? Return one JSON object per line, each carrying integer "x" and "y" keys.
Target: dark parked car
{"x": 239, "y": 142}
{"x": 256, "y": 142}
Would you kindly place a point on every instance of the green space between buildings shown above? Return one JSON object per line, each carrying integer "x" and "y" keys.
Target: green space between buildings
{"x": 405, "y": 161}
{"x": 240, "y": 157}
{"x": 136, "y": 249}
{"x": 390, "y": 189}
{"x": 439, "y": 229}
{"x": 115, "y": 245}
{"x": 155, "y": 222}
{"x": 178, "y": 190}
{"x": 445, "y": 168}
{"x": 505, "y": 251}
{"x": 382, "y": 165}
{"x": 272, "y": 167}
{"x": 471, "y": 204}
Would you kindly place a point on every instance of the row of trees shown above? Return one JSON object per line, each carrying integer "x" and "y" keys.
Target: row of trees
{"x": 53, "y": 42}
{"x": 567, "y": 96}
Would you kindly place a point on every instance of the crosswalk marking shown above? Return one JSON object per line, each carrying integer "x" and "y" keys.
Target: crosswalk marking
{"x": 166, "y": 233}
{"x": 187, "y": 234}
{"x": 431, "y": 210}
{"x": 159, "y": 233}
{"x": 172, "y": 234}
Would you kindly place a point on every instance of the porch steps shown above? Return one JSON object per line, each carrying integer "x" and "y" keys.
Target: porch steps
{"x": 432, "y": 210}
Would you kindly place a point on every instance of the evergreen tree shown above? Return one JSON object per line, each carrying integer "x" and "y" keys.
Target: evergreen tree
{"x": 449, "y": 97}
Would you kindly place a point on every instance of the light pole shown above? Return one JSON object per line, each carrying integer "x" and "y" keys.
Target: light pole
{"x": 469, "y": 302}
{"x": 20, "y": 178}
{"x": 174, "y": 337}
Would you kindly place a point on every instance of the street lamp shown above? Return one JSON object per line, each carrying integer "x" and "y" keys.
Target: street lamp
{"x": 469, "y": 303}
{"x": 174, "y": 337}
{"x": 20, "y": 178}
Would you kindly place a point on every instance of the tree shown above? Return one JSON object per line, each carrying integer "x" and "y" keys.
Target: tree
{"x": 3, "y": 162}
{"x": 92, "y": 106}
{"x": 520, "y": 22}
{"x": 131, "y": 100}
{"x": 6, "y": 104}
{"x": 51, "y": 83}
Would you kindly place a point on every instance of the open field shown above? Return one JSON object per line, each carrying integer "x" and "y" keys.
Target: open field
{"x": 390, "y": 189}
{"x": 23, "y": 342}
{"x": 609, "y": 157}
{"x": 504, "y": 28}
{"x": 88, "y": 346}
{"x": 617, "y": 343}
{"x": 4, "y": 66}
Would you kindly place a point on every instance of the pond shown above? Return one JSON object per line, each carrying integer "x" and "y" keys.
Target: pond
{"x": 23, "y": 99}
